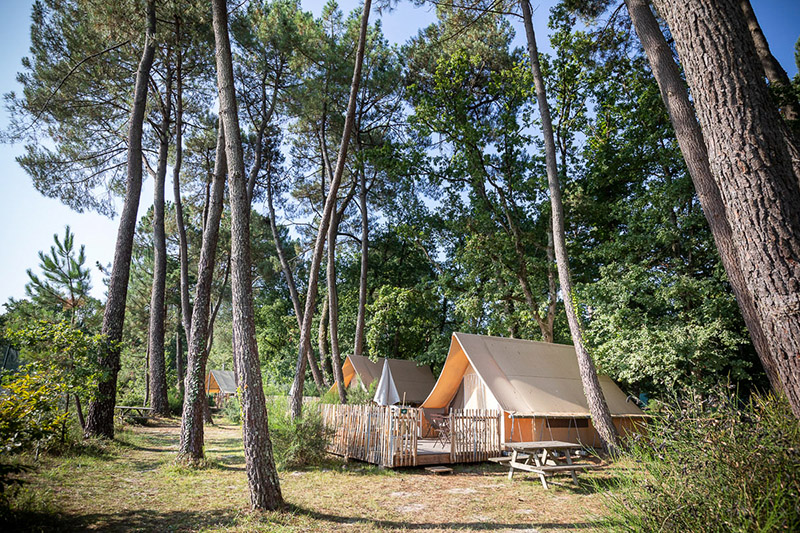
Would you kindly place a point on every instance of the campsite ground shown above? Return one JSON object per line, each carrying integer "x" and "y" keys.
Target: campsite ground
{"x": 133, "y": 484}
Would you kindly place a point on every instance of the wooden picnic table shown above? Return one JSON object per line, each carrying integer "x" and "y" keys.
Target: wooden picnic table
{"x": 542, "y": 453}
{"x": 143, "y": 411}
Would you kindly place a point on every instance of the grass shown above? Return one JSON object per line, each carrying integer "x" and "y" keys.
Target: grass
{"x": 134, "y": 484}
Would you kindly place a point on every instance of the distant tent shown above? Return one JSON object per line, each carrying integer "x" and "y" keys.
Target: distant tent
{"x": 409, "y": 378}
{"x": 386, "y": 391}
{"x": 222, "y": 383}
{"x": 536, "y": 385}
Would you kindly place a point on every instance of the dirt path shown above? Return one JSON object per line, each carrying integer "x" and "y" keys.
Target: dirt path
{"x": 134, "y": 485}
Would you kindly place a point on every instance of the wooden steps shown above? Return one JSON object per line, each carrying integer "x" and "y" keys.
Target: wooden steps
{"x": 438, "y": 470}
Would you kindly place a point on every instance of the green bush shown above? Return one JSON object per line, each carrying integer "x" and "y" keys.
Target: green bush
{"x": 296, "y": 443}
{"x": 712, "y": 466}
{"x": 30, "y": 410}
{"x": 232, "y": 410}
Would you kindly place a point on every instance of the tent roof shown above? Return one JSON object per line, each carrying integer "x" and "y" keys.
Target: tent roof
{"x": 224, "y": 379}
{"x": 527, "y": 378}
{"x": 409, "y": 378}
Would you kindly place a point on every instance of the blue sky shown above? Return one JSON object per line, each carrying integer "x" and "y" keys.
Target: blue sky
{"x": 28, "y": 220}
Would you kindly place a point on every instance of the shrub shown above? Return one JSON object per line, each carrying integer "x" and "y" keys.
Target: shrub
{"x": 716, "y": 465}
{"x": 232, "y": 410}
{"x": 29, "y": 410}
{"x": 296, "y": 443}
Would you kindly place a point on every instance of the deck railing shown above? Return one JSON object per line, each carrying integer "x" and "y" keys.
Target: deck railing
{"x": 379, "y": 435}
{"x": 387, "y": 436}
{"x": 474, "y": 435}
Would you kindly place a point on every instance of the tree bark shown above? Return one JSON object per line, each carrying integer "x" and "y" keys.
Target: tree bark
{"x": 100, "y": 419}
{"x": 693, "y": 147}
{"x": 601, "y": 417}
{"x": 183, "y": 243}
{"x": 179, "y": 359}
{"x": 194, "y": 400}
{"x": 772, "y": 68}
{"x": 262, "y": 477}
{"x": 333, "y": 308}
{"x": 751, "y": 164}
{"x": 358, "y": 345}
{"x": 296, "y": 401}
{"x": 158, "y": 307}
{"x": 322, "y": 339}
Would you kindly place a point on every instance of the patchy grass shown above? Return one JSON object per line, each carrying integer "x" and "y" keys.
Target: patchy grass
{"x": 134, "y": 484}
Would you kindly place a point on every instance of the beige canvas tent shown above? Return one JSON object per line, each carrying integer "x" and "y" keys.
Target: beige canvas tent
{"x": 535, "y": 384}
{"x": 415, "y": 382}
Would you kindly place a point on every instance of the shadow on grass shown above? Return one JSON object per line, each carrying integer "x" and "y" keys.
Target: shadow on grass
{"x": 129, "y": 520}
{"x": 453, "y": 525}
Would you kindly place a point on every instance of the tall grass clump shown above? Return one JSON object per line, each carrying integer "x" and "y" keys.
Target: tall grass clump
{"x": 717, "y": 465}
{"x": 296, "y": 443}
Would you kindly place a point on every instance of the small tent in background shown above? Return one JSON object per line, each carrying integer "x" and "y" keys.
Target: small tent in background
{"x": 222, "y": 384}
{"x": 410, "y": 379}
{"x": 386, "y": 391}
{"x": 536, "y": 385}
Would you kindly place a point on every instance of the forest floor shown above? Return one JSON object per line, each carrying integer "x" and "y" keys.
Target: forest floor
{"x": 133, "y": 484}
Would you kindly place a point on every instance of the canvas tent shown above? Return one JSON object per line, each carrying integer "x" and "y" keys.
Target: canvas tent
{"x": 222, "y": 383}
{"x": 409, "y": 379}
{"x": 536, "y": 385}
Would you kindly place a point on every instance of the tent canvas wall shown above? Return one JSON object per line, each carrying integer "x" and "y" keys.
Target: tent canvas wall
{"x": 536, "y": 385}
{"x": 222, "y": 383}
{"x": 409, "y": 379}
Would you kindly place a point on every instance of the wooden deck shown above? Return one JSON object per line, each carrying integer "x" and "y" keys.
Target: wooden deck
{"x": 393, "y": 437}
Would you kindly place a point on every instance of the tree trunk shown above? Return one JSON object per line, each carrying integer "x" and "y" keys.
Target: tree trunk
{"x": 322, "y": 339}
{"x": 693, "y": 147}
{"x": 262, "y": 477}
{"x": 179, "y": 359}
{"x": 772, "y": 68}
{"x": 333, "y": 308}
{"x": 79, "y": 411}
{"x": 195, "y": 404}
{"x": 358, "y": 345}
{"x": 183, "y": 243}
{"x": 601, "y": 417}
{"x": 751, "y": 164}
{"x": 296, "y": 402}
{"x": 100, "y": 420}
{"x": 158, "y": 307}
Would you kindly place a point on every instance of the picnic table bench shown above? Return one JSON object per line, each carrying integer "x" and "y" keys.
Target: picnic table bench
{"x": 143, "y": 412}
{"x": 542, "y": 453}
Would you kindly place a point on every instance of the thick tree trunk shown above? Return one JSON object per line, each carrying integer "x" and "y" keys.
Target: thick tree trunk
{"x": 262, "y": 477}
{"x": 751, "y": 164}
{"x": 158, "y": 307}
{"x": 100, "y": 419}
{"x": 333, "y": 308}
{"x": 194, "y": 399}
{"x": 296, "y": 401}
{"x": 693, "y": 147}
{"x": 358, "y": 345}
{"x": 772, "y": 68}
{"x": 601, "y": 417}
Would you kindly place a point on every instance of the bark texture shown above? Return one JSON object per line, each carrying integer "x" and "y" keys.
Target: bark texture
{"x": 296, "y": 400}
{"x": 262, "y": 476}
{"x": 100, "y": 418}
{"x": 158, "y": 306}
{"x": 751, "y": 164}
{"x": 693, "y": 147}
{"x": 601, "y": 417}
{"x": 194, "y": 400}
{"x": 333, "y": 308}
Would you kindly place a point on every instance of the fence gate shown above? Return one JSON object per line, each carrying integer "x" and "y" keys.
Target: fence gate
{"x": 474, "y": 435}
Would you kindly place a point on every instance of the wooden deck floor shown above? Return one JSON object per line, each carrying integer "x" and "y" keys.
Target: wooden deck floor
{"x": 431, "y": 452}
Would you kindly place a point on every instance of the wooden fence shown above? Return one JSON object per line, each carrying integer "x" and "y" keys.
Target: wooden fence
{"x": 384, "y": 436}
{"x": 388, "y": 436}
{"x": 474, "y": 435}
